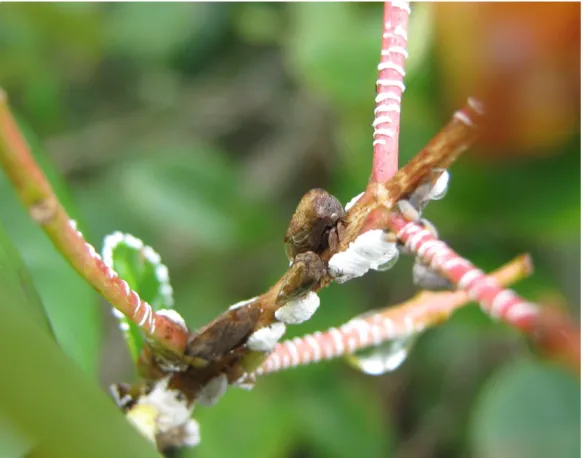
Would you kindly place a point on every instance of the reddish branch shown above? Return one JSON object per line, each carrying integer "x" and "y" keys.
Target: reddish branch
{"x": 556, "y": 335}
{"x": 423, "y": 311}
{"x": 551, "y": 330}
{"x": 442, "y": 151}
{"x": 37, "y": 195}
{"x": 390, "y": 88}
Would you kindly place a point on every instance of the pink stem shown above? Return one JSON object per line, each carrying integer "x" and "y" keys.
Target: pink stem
{"x": 552, "y": 331}
{"x": 37, "y": 195}
{"x": 390, "y": 88}
{"x": 425, "y": 310}
{"x": 495, "y": 300}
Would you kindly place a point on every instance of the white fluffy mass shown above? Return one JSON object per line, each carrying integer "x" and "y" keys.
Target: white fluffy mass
{"x": 371, "y": 250}
{"x": 355, "y": 199}
{"x": 266, "y": 338}
{"x": 213, "y": 391}
{"x": 172, "y": 409}
{"x": 165, "y": 413}
{"x": 439, "y": 189}
{"x": 173, "y": 316}
{"x": 298, "y": 310}
{"x": 191, "y": 431}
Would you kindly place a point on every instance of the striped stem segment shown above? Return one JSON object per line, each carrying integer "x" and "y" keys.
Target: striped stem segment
{"x": 390, "y": 88}
{"x": 38, "y": 196}
{"x": 501, "y": 303}
{"x": 551, "y": 330}
{"x": 425, "y": 310}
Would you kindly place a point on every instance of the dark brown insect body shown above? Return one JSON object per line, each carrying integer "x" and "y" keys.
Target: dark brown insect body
{"x": 306, "y": 271}
{"x": 228, "y": 331}
{"x": 313, "y": 226}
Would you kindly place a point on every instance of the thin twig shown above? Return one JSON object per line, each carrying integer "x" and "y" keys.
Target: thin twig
{"x": 554, "y": 332}
{"x": 440, "y": 153}
{"x": 425, "y": 310}
{"x": 390, "y": 88}
{"x": 43, "y": 206}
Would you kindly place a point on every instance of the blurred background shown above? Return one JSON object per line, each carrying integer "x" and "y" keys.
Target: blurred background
{"x": 198, "y": 127}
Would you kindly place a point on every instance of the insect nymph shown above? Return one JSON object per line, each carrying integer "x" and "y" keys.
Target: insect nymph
{"x": 315, "y": 224}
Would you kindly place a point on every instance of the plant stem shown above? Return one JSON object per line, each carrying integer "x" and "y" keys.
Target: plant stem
{"x": 425, "y": 310}
{"x": 36, "y": 194}
{"x": 390, "y": 88}
{"x": 551, "y": 330}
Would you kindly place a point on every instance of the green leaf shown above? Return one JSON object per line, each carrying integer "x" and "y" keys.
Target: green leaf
{"x": 13, "y": 443}
{"x": 17, "y": 275}
{"x": 528, "y": 410}
{"x": 47, "y": 404}
{"x": 70, "y": 303}
{"x": 141, "y": 267}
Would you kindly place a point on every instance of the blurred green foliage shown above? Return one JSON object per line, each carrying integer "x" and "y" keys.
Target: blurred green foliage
{"x": 510, "y": 412}
{"x": 75, "y": 320}
{"x": 197, "y": 127}
{"x": 48, "y": 406}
